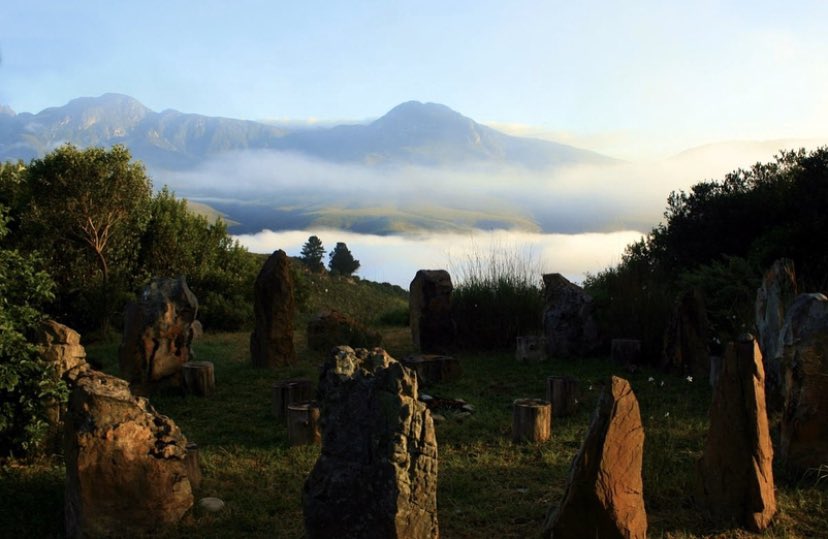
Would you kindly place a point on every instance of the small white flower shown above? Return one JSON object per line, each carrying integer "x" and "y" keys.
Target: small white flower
{"x": 590, "y": 388}
{"x": 661, "y": 383}
{"x": 651, "y": 379}
{"x": 689, "y": 378}
{"x": 667, "y": 414}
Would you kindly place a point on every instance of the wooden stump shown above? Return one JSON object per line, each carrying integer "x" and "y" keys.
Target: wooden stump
{"x": 531, "y": 420}
{"x": 199, "y": 378}
{"x": 562, "y": 392}
{"x": 303, "y": 423}
{"x": 193, "y": 466}
{"x": 433, "y": 368}
{"x": 290, "y": 391}
{"x": 530, "y": 348}
{"x": 626, "y": 351}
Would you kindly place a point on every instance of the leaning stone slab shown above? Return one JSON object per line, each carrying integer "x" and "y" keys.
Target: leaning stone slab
{"x": 685, "y": 347}
{"x": 157, "y": 336}
{"x": 271, "y": 343}
{"x": 568, "y": 321}
{"x": 126, "y": 465}
{"x": 377, "y": 475}
{"x": 804, "y": 439}
{"x": 604, "y": 490}
{"x": 774, "y": 296}
{"x": 735, "y": 472}
{"x": 432, "y": 327}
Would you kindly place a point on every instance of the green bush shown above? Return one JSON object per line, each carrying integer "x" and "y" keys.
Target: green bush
{"x": 496, "y": 299}
{"x": 26, "y": 382}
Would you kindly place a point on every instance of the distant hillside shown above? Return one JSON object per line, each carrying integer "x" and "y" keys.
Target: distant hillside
{"x": 413, "y": 133}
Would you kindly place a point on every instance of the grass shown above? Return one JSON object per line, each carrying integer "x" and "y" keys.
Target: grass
{"x": 488, "y": 486}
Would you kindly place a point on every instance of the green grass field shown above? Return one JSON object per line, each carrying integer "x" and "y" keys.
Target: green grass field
{"x": 488, "y": 486}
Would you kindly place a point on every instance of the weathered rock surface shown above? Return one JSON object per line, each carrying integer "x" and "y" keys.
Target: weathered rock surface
{"x": 735, "y": 472}
{"x": 157, "y": 335}
{"x": 685, "y": 350}
{"x": 777, "y": 292}
{"x": 377, "y": 474}
{"x": 271, "y": 343}
{"x": 432, "y": 327}
{"x": 604, "y": 490}
{"x": 333, "y": 328}
{"x": 568, "y": 321}
{"x": 804, "y": 440}
{"x": 126, "y": 470}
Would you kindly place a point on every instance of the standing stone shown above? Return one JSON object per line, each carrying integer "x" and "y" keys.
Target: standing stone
{"x": 685, "y": 349}
{"x": 271, "y": 343}
{"x": 157, "y": 335}
{"x": 568, "y": 320}
{"x": 377, "y": 475}
{"x": 777, "y": 292}
{"x": 432, "y": 327}
{"x": 333, "y": 328}
{"x": 735, "y": 472}
{"x": 604, "y": 490}
{"x": 126, "y": 465}
{"x": 804, "y": 439}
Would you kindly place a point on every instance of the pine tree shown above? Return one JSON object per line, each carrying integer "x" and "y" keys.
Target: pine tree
{"x": 341, "y": 261}
{"x": 312, "y": 253}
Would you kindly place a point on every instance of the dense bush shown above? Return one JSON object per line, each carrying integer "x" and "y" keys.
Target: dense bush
{"x": 26, "y": 382}
{"x": 496, "y": 299}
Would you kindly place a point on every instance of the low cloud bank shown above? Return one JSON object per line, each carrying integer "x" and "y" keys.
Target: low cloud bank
{"x": 396, "y": 259}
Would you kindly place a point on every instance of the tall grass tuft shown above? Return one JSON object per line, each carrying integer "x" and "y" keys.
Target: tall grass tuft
{"x": 497, "y": 297}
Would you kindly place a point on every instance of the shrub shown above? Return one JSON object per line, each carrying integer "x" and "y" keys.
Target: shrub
{"x": 496, "y": 298}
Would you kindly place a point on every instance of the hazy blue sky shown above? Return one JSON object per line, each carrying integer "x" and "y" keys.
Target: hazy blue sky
{"x": 634, "y": 78}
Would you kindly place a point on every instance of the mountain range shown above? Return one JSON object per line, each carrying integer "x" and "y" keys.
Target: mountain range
{"x": 416, "y": 133}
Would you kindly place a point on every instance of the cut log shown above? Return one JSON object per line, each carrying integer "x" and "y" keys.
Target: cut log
{"x": 199, "y": 378}
{"x": 290, "y": 391}
{"x": 193, "y": 466}
{"x": 433, "y": 368}
{"x": 562, "y": 393}
{"x": 531, "y": 420}
{"x": 303, "y": 423}
{"x": 530, "y": 348}
{"x": 625, "y": 351}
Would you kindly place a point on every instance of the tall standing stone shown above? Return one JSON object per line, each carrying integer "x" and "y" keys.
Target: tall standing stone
{"x": 568, "y": 320}
{"x": 377, "y": 475}
{"x": 126, "y": 469}
{"x": 432, "y": 327}
{"x": 804, "y": 439}
{"x": 157, "y": 335}
{"x": 777, "y": 292}
{"x": 271, "y": 343}
{"x": 685, "y": 347}
{"x": 735, "y": 472}
{"x": 604, "y": 490}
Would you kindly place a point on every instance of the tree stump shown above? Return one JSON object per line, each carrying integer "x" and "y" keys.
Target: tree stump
{"x": 287, "y": 392}
{"x": 531, "y": 420}
{"x": 193, "y": 466}
{"x": 434, "y": 368}
{"x": 625, "y": 351}
{"x": 530, "y": 348}
{"x": 303, "y": 423}
{"x": 562, "y": 393}
{"x": 199, "y": 378}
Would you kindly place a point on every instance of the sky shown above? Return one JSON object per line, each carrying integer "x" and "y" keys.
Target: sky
{"x": 635, "y": 79}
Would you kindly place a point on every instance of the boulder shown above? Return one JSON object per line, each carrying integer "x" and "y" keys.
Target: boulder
{"x": 735, "y": 471}
{"x": 568, "y": 320}
{"x": 685, "y": 347}
{"x": 804, "y": 437}
{"x": 777, "y": 292}
{"x": 332, "y": 328}
{"x": 604, "y": 490}
{"x": 432, "y": 326}
{"x": 271, "y": 343}
{"x": 126, "y": 469}
{"x": 376, "y": 476}
{"x": 157, "y": 335}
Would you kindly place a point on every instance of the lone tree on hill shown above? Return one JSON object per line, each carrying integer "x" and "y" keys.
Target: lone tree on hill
{"x": 341, "y": 261}
{"x": 312, "y": 253}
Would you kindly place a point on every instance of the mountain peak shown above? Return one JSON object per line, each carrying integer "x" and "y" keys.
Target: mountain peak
{"x": 6, "y": 110}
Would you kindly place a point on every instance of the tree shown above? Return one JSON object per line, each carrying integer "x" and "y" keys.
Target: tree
{"x": 341, "y": 260}
{"x": 312, "y": 253}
